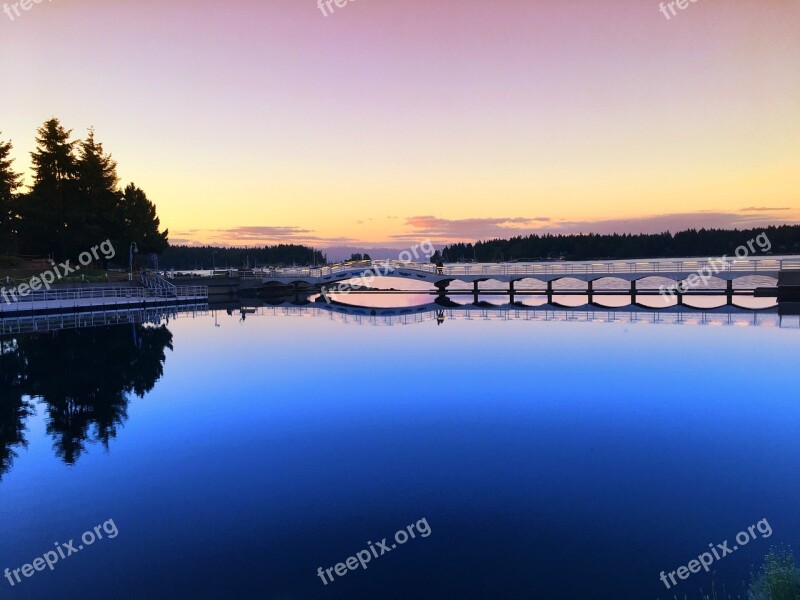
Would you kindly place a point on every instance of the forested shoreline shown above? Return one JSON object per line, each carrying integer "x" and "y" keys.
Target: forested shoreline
{"x": 785, "y": 239}
{"x": 207, "y": 257}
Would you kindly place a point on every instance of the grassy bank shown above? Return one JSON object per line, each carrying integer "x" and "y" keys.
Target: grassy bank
{"x": 777, "y": 579}
{"x": 15, "y": 270}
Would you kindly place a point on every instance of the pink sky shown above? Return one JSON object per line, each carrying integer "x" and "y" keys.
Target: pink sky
{"x": 256, "y": 122}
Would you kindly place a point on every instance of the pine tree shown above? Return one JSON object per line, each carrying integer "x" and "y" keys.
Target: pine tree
{"x": 95, "y": 217}
{"x": 139, "y": 223}
{"x": 54, "y": 160}
{"x": 47, "y": 209}
{"x": 9, "y": 184}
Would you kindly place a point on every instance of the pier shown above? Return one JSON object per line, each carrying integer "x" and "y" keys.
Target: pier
{"x": 151, "y": 291}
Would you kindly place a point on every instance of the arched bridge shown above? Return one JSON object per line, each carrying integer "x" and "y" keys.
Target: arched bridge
{"x": 589, "y": 272}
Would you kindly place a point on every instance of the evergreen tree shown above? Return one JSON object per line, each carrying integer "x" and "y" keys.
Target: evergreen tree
{"x": 97, "y": 217}
{"x": 75, "y": 201}
{"x": 9, "y": 184}
{"x": 139, "y": 223}
{"x": 46, "y": 209}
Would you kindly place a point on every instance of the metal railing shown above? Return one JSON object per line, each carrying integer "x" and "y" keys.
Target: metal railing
{"x": 155, "y": 282}
{"x": 79, "y": 320}
{"x": 94, "y": 296}
{"x": 164, "y": 288}
{"x": 191, "y": 291}
{"x": 762, "y": 265}
{"x": 86, "y": 293}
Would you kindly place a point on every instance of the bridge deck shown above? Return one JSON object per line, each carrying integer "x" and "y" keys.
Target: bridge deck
{"x": 676, "y": 270}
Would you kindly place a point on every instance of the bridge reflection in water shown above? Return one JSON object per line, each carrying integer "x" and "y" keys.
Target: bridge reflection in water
{"x": 431, "y": 312}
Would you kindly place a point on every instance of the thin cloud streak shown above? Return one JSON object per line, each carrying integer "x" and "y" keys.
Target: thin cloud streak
{"x": 453, "y": 230}
{"x": 256, "y": 236}
{"x": 443, "y": 231}
{"x": 762, "y": 209}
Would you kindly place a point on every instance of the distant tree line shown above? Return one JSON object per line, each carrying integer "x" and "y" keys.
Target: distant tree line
{"x": 75, "y": 201}
{"x": 206, "y": 257}
{"x": 785, "y": 239}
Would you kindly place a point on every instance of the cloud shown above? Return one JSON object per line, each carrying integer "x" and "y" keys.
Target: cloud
{"x": 180, "y": 241}
{"x": 255, "y": 235}
{"x": 444, "y": 231}
{"x": 263, "y": 232}
{"x": 673, "y": 222}
{"x": 762, "y": 209}
{"x": 453, "y": 230}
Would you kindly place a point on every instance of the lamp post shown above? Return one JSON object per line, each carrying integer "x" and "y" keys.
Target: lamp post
{"x": 133, "y": 248}
{"x": 213, "y": 261}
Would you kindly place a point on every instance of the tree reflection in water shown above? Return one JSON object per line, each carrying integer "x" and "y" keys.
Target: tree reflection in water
{"x": 83, "y": 378}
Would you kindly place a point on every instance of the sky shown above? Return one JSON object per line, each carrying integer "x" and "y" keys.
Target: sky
{"x": 389, "y": 122}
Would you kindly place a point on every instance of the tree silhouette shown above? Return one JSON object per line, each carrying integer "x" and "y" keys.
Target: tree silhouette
{"x": 139, "y": 222}
{"x": 98, "y": 215}
{"x": 75, "y": 202}
{"x": 9, "y": 184}
{"x": 692, "y": 242}
{"x": 14, "y": 408}
{"x": 83, "y": 377}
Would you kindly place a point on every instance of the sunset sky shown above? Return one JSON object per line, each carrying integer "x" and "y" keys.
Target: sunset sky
{"x": 392, "y": 121}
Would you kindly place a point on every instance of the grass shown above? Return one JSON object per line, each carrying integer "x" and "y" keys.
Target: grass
{"x": 778, "y": 579}
{"x": 15, "y": 270}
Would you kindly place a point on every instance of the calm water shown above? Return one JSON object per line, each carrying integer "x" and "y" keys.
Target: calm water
{"x": 562, "y": 460}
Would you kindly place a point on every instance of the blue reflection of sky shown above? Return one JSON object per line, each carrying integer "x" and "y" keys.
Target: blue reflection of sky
{"x": 552, "y": 460}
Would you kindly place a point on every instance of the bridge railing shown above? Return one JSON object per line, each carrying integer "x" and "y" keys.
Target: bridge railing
{"x": 626, "y": 267}
{"x": 282, "y": 272}
{"x": 765, "y": 265}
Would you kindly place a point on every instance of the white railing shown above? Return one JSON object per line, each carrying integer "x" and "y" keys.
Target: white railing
{"x": 158, "y": 284}
{"x": 763, "y": 265}
{"x": 166, "y": 289}
{"x": 191, "y": 291}
{"x": 94, "y": 296}
{"x": 78, "y": 320}
{"x": 86, "y": 293}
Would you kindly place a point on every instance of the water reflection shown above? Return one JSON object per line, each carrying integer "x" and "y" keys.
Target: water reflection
{"x": 14, "y": 406}
{"x": 83, "y": 378}
{"x": 83, "y": 375}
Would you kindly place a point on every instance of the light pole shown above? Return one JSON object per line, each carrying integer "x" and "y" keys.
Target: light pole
{"x": 214, "y": 261}
{"x": 133, "y": 248}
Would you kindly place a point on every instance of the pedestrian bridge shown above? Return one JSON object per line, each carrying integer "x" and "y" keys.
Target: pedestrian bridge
{"x": 632, "y": 271}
